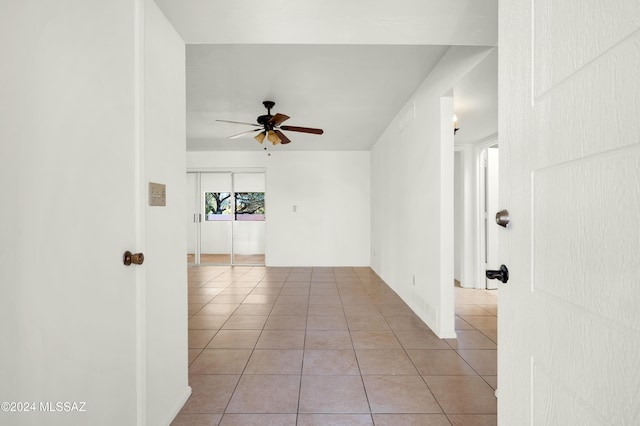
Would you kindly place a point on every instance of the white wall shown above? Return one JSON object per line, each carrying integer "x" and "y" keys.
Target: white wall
{"x": 193, "y": 203}
{"x": 491, "y": 207}
{"x": 165, "y": 245}
{"x": 470, "y": 160}
{"x": 412, "y": 174}
{"x": 458, "y": 228}
{"x": 331, "y": 192}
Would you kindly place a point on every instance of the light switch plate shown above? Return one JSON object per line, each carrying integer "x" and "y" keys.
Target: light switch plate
{"x": 157, "y": 194}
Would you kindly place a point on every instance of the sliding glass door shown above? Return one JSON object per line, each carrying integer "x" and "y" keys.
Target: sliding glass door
{"x": 216, "y": 208}
{"x": 228, "y": 217}
{"x": 193, "y": 218}
{"x": 249, "y": 220}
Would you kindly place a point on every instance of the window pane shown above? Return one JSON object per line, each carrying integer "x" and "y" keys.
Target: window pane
{"x": 250, "y": 206}
{"x": 217, "y": 206}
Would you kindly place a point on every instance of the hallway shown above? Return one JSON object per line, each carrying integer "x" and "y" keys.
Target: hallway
{"x": 331, "y": 346}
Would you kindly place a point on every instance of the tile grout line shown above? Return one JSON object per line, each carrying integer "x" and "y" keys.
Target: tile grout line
{"x": 304, "y": 345}
{"x": 364, "y": 387}
{"x": 235, "y": 388}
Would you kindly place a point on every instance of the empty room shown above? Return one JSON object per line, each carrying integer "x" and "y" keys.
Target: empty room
{"x": 319, "y": 213}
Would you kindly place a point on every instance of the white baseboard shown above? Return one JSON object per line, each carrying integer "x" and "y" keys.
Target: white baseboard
{"x": 179, "y": 404}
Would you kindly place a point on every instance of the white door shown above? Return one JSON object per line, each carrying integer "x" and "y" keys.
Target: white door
{"x": 569, "y": 323}
{"x": 87, "y": 340}
{"x": 249, "y": 228}
{"x": 216, "y": 210}
{"x": 229, "y": 218}
{"x": 69, "y": 211}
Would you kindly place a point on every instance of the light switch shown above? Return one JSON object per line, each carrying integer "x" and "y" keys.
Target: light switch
{"x": 157, "y": 194}
{"x": 295, "y": 209}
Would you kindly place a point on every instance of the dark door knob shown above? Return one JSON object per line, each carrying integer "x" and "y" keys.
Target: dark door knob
{"x": 136, "y": 258}
{"x": 502, "y": 274}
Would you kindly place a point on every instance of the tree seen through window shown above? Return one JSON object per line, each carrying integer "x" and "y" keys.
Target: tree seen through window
{"x": 249, "y": 205}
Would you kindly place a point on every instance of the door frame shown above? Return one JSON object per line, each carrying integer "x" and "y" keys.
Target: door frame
{"x": 140, "y": 213}
{"x": 484, "y": 218}
{"x": 472, "y": 274}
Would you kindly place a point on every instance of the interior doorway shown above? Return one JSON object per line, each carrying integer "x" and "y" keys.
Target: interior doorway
{"x": 226, "y": 218}
{"x": 491, "y": 206}
{"x": 476, "y": 182}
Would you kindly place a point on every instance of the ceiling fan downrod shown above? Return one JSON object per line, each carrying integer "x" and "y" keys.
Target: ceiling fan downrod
{"x": 268, "y": 105}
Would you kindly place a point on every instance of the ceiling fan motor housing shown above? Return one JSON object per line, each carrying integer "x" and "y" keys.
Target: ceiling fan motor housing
{"x": 264, "y": 119}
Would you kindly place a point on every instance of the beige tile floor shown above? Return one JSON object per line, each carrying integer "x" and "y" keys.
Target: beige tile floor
{"x": 331, "y": 346}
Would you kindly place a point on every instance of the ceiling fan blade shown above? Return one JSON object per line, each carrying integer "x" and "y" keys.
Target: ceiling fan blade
{"x": 278, "y": 119}
{"x": 243, "y": 133}
{"x": 303, "y": 129}
{"x": 283, "y": 139}
{"x": 240, "y": 122}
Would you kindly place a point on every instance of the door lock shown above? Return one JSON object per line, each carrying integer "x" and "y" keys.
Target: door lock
{"x": 502, "y": 274}
{"x": 128, "y": 258}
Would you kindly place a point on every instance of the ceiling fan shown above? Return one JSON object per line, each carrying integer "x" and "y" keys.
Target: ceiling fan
{"x": 270, "y": 126}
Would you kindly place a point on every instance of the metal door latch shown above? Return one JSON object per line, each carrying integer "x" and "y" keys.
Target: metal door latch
{"x": 502, "y": 274}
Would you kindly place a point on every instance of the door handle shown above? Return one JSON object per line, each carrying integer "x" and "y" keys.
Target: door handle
{"x": 502, "y": 274}
{"x": 128, "y": 258}
{"x": 502, "y": 218}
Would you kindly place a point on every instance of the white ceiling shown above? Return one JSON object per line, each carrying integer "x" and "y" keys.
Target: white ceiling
{"x": 397, "y": 22}
{"x": 475, "y": 100}
{"x": 331, "y": 64}
{"x": 352, "y": 92}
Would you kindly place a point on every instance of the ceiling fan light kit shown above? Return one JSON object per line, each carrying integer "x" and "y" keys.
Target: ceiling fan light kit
{"x": 259, "y": 137}
{"x": 273, "y": 138}
{"x": 270, "y": 126}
